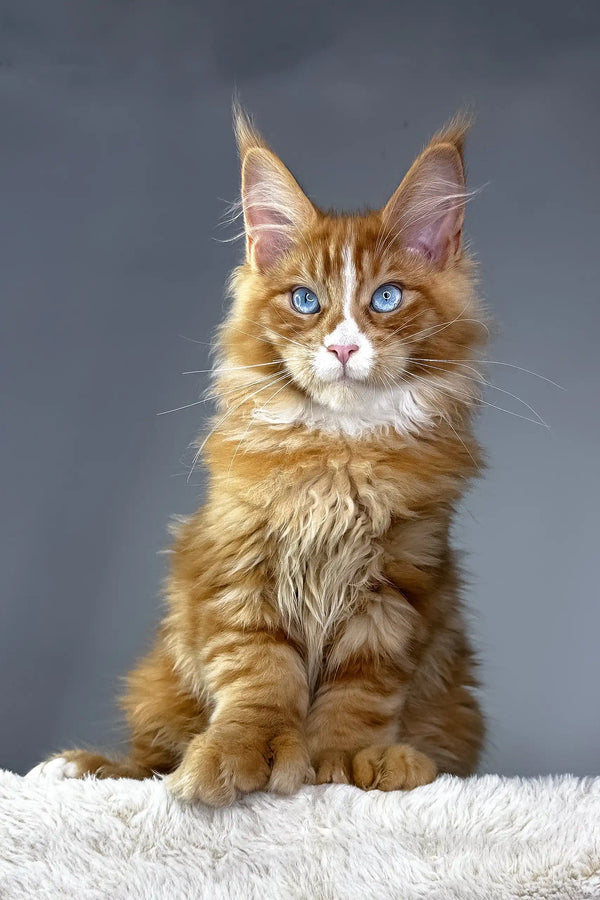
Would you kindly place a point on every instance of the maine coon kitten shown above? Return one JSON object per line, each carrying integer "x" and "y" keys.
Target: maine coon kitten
{"x": 314, "y": 629}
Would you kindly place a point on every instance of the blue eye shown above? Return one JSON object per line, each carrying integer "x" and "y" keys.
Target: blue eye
{"x": 386, "y": 298}
{"x": 305, "y": 301}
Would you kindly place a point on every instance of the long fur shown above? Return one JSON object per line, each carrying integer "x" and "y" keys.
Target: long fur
{"x": 490, "y": 838}
{"x": 314, "y": 627}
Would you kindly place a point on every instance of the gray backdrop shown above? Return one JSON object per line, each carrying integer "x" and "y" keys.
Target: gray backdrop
{"x": 116, "y": 156}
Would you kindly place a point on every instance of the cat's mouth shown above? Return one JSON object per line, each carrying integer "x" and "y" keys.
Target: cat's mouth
{"x": 344, "y": 381}
{"x": 344, "y": 375}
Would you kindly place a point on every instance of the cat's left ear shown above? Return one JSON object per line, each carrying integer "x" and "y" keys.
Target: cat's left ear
{"x": 276, "y": 210}
{"x": 426, "y": 212}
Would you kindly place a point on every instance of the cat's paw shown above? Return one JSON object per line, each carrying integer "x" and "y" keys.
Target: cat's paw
{"x": 227, "y": 760}
{"x": 390, "y": 767}
{"x": 57, "y": 768}
{"x": 78, "y": 764}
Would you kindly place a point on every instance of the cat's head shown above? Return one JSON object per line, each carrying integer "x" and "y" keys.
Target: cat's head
{"x": 360, "y": 319}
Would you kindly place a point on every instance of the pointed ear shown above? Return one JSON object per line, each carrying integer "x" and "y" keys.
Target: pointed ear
{"x": 426, "y": 212}
{"x": 275, "y": 208}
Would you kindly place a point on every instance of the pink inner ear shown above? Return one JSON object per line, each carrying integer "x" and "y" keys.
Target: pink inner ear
{"x": 427, "y": 211}
{"x": 269, "y": 231}
{"x": 275, "y": 208}
{"x": 437, "y": 240}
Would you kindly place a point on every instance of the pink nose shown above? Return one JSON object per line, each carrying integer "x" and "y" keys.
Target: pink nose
{"x": 343, "y": 351}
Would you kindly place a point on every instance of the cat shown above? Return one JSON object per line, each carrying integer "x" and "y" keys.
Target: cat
{"x": 315, "y": 630}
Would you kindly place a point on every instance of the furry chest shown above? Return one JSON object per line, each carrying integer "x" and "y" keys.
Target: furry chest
{"x": 328, "y": 519}
{"x": 328, "y": 549}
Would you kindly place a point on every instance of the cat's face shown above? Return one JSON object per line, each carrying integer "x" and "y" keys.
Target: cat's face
{"x": 364, "y": 314}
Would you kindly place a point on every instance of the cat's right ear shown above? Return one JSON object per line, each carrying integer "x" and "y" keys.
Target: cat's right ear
{"x": 275, "y": 208}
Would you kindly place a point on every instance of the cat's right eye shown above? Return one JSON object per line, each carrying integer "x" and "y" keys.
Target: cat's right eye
{"x": 304, "y": 301}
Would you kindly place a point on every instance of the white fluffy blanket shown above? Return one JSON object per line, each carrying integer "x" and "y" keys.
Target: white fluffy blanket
{"x": 487, "y": 837}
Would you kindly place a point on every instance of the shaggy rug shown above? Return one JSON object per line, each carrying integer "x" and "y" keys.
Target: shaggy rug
{"x": 487, "y": 837}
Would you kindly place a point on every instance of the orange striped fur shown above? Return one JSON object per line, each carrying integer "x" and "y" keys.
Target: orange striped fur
{"x": 314, "y": 629}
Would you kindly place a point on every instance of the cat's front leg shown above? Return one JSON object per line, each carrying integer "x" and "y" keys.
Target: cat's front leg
{"x": 353, "y": 738}
{"x": 353, "y": 723}
{"x": 255, "y": 739}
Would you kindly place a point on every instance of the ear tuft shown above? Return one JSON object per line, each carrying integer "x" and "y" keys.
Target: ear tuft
{"x": 246, "y": 133}
{"x": 455, "y": 131}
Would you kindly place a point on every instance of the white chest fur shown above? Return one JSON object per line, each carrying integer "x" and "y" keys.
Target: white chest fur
{"x": 328, "y": 552}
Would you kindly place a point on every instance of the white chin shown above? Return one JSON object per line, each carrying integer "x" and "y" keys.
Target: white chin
{"x": 343, "y": 394}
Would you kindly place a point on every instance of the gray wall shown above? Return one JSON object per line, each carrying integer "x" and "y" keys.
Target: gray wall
{"x": 116, "y": 152}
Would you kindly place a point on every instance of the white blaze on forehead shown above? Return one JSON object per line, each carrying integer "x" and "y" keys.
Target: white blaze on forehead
{"x": 349, "y": 279}
{"x": 326, "y": 364}
{"x": 347, "y": 332}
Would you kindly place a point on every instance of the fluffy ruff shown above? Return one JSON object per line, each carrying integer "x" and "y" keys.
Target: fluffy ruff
{"x": 487, "y": 837}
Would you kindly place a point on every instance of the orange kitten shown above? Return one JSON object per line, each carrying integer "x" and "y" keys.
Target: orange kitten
{"x": 314, "y": 629}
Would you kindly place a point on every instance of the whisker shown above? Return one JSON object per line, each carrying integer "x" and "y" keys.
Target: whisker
{"x": 435, "y": 329}
{"x": 283, "y": 321}
{"x": 422, "y": 361}
{"x": 478, "y": 377}
{"x": 488, "y": 362}
{"x": 218, "y": 369}
{"x": 401, "y": 328}
{"x": 165, "y": 412}
{"x": 252, "y": 414}
{"x": 264, "y": 340}
{"x": 455, "y": 391}
{"x": 184, "y": 337}
{"x": 448, "y": 421}
{"x": 391, "y": 386}
{"x": 496, "y": 362}
{"x": 438, "y": 327}
{"x": 226, "y": 416}
{"x": 213, "y": 395}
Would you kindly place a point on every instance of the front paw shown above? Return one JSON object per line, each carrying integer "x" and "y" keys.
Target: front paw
{"x": 390, "y": 767}
{"x": 229, "y": 759}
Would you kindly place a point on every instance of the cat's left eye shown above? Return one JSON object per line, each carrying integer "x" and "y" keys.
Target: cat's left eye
{"x": 386, "y": 298}
{"x": 304, "y": 301}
